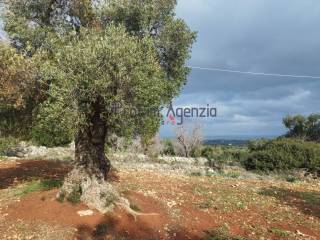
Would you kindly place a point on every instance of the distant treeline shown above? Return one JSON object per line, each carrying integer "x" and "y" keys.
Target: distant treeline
{"x": 226, "y": 142}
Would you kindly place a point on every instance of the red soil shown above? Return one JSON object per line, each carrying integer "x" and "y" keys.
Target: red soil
{"x": 191, "y": 221}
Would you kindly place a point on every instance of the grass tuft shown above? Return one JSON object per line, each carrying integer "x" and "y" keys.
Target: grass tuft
{"x": 279, "y": 232}
{"x": 222, "y": 233}
{"x": 75, "y": 195}
{"x": 43, "y": 185}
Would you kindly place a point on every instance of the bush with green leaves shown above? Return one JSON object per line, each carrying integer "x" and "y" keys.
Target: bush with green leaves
{"x": 6, "y": 144}
{"x": 219, "y": 156}
{"x": 53, "y": 126}
{"x": 207, "y": 152}
{"x": 283, "y": 154}
{"x": 168, "y": 148}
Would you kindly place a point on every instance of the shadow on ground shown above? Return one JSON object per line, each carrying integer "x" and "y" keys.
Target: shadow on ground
{"x": 116, "y": 229}
{"x": 27, "y": 170}
{"x": 126, "y": 228}
{"x": 32, "y": 170}
{"x": 306, "y": 202}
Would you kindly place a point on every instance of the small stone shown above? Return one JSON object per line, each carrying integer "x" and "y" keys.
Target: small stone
{"x": 85, "y": 213}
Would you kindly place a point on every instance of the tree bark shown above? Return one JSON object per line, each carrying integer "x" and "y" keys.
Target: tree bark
{"x": 89, "y": 147}
{"x": 87, "y": 182}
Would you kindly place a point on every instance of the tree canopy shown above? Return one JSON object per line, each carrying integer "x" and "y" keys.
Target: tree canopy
{"x": 305, "y": 128}
{"x": 107, "y": 51}
{"x": 18, "y": 92}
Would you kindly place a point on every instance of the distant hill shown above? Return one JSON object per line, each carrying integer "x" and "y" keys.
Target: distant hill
{"x": 226, "y": 142}
{"x": 233, "y": 140}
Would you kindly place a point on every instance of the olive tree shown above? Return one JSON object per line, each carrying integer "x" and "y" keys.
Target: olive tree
{"x": 98, "y": 71}
{"x": 17, "y": 91}
{"x": 303, "y": 127}
{"x": 111, "y": 65}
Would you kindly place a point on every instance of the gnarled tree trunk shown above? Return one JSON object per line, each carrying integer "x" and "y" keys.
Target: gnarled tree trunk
{"x": 89, "y": 152}
{"x": 87, "y": 182}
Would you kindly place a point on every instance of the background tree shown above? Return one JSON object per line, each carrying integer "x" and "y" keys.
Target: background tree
{"x": 93, "y": 54}
{"x": 313, "y": 127}
{"x": 18, "y": 92}
{"x": 305, "y": 128}
{"x": 188, "y": 139}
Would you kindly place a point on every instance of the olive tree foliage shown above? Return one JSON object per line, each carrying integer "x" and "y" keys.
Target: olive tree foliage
{"x": 15, "y": 78}
{"x": 112, "y": 67}
{"x": 91, "y": 55}
{"x": 305, "y": 128}
{"x": 18, "y": 91}
{"x": 39, "y": 29}
{"x": 26, "y": 109}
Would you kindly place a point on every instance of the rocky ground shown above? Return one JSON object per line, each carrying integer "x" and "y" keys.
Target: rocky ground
{"x": 183, "y": 199}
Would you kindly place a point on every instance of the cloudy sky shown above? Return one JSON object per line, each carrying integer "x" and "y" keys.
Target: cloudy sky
{"x": 268, "y": 36}
{"x": 2, "y": 34}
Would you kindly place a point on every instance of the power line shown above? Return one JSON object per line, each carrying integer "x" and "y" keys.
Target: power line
{"x": 254, "y": 73}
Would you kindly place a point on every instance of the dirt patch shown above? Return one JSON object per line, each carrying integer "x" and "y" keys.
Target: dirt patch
{"x": 44, "y": 206}
{"x": 22, "y": 170}
{"x": 185, "y": 207}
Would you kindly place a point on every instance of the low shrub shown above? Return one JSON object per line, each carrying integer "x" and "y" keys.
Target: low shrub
{"x": 220, "y": 156}
{"x": 207, "y": 152}
{"x": 7, "y": 145}
{"x": 75, "y": 195}
{"x": 51, "y": 129}
{"x": 283, "y": 154}
{"x": 196, "y": 152}
{"x": 168, "y": 148}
